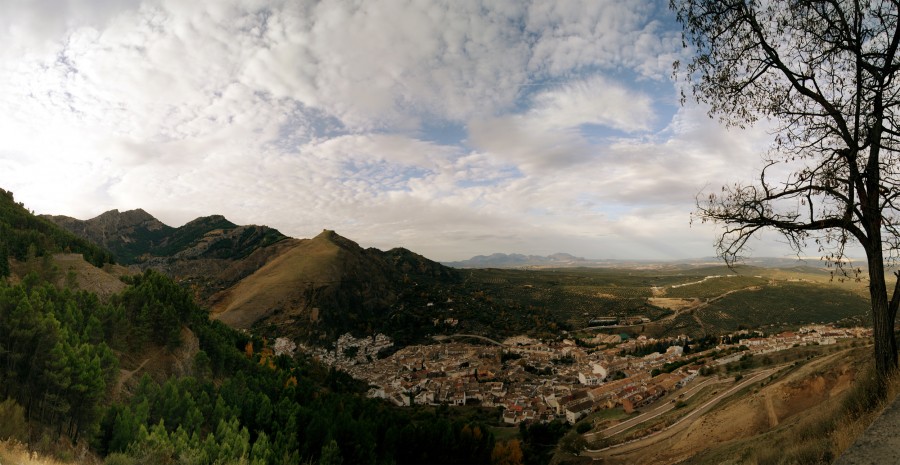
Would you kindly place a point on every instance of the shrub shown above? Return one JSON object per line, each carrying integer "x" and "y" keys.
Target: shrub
{"x": 117, "y": 458}
{"x": 583, "y": 427}
{"x": 12, "y": 421}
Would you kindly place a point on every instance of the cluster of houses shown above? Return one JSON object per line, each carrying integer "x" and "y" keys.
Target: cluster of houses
{"x": 817, "y": 334}
{"x": 540, "y": 381}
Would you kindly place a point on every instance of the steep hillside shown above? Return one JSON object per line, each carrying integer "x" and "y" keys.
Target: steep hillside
{"x": 73, "y": 271}
{"x": 127, "y": 234}
{"x": 324, "y": 285}
{"x": 136, "y": 237}
{"x": 23, "y": 234}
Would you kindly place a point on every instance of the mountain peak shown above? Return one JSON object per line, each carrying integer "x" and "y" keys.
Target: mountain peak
{"x": 211, "y": 221}
{"x": 128, "y": 217}
{"x": 329, "y": 236}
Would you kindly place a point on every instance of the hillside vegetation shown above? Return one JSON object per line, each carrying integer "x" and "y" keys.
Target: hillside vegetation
{"x": 65, "y": 355}
{"x": 23, "y": 235}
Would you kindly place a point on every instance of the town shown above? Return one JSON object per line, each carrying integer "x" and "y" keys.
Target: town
{"x": 541, "y": 381}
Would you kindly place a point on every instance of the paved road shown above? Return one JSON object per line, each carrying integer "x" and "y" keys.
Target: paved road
{"x": 659, "y": 409}
{"x": 682, "y": 423}
{"x": 442, "y": 338}
{"x": 706, "y": 303}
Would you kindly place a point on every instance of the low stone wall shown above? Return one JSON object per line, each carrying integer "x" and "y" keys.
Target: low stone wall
{"x": 879, "y": 444}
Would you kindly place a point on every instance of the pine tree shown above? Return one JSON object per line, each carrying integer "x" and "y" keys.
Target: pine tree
{"x": 4, "y": 259}
{"x": 331, "y": 454}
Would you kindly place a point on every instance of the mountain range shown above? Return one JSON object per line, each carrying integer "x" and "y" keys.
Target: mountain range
{"x": 502, "y": 260}
{"x": 565, "y": 260}
{"x": 255, "y": 277}
{"x": 136, "y": 237}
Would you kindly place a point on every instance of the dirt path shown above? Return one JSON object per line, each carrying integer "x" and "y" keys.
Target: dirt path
{"x": 125, "y": 375}
{"x": 699, "y": 322}
{"x": 770, "y": 410}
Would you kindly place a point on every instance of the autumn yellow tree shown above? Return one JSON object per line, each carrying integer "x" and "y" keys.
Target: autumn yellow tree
{"x": 507, "y": 453}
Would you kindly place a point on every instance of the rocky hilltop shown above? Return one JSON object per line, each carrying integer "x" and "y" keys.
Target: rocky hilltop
{"x": 208, "y": 254}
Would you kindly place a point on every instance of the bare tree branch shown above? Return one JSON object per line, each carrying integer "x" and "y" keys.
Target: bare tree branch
{"x": 826, "y": 72}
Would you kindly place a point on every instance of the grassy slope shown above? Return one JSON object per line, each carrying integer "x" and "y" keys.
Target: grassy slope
{"x": 277, "y": 284}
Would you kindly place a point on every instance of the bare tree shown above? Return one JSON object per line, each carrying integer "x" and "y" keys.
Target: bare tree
{"x": 826, "y": 73}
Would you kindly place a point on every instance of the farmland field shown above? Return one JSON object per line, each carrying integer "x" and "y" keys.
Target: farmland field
{"x": 785, "y": 304}
{"x": 689, "y": 300}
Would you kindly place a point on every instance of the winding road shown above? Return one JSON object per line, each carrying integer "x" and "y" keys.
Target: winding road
{"x": 663, "y": 407}
{"x": 679, "y": 425}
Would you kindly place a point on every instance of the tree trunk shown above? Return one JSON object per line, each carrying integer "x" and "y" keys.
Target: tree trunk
{"x": 882, "y": 321}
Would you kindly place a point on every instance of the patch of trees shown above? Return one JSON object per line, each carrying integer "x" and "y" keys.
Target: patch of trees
{"x": 539, "y": 440}
{"x": 259, "y": 416}
{"x": 660, "y": 346}
{"x": 704, "y": 343}
{"x": 54, "y": 356}
{"x": 157, "y": 308}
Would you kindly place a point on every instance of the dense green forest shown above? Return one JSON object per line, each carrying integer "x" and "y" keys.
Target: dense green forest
{"x": 58, "y": 360}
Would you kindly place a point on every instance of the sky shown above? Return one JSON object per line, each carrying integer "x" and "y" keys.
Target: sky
{"x": 450, "y": 127}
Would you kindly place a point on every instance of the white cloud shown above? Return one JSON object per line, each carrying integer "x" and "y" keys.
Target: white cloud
{"x": 573, "y": 34}
{"x": 551, "y": 135}
{"x": 315, "y": 114}
{"x": 595, "y": 100}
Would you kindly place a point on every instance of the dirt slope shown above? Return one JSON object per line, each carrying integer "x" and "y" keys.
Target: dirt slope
{"x": 303, "y": 279}
{"x": 103, "y": 282}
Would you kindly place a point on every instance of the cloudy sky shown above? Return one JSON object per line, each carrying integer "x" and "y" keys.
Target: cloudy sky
{"x": 450, "y": 127}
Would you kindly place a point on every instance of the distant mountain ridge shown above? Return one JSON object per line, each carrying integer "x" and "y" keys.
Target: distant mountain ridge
{"x": 502, "y": 260}
{"x": 565, "y": 260}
